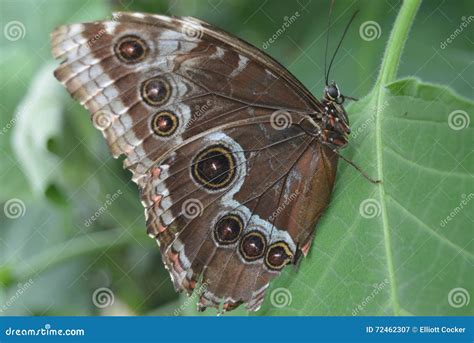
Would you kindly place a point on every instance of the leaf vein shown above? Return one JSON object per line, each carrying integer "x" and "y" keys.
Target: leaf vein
{"x": 433, "y": 232}
{"x": 426, "y": 168}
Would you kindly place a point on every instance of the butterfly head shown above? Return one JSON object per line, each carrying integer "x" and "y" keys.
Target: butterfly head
{"x": 332, "y": 93}
{"x": 335, "y": 123}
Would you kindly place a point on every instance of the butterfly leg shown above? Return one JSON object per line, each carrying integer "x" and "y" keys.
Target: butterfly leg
{"x": 356, "y": 167}
{"x": 350, "y": 98}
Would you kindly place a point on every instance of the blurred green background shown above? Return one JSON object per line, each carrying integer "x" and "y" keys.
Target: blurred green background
{"x": 55, "y": 168}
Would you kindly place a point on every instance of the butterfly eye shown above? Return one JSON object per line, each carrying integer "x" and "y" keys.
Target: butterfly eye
{"x": 332, "y": 92}
{"x": 131, "y": 49}
{"x": 165, "y": 123}
{"x": 155, "y": 91}
{"x": 278, "y": 255}
{"x": 214, "y": 167}
{"x": 252, "y": 246}
{"x": 228, "y": 229}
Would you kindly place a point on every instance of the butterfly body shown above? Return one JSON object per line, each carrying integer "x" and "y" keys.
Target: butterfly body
{"x": 234, "y": 158}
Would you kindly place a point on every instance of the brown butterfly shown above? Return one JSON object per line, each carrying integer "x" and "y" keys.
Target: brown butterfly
{"x": 234, "y": 158}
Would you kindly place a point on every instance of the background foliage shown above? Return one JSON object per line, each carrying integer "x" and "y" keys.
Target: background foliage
{"x": 402, "y": 260}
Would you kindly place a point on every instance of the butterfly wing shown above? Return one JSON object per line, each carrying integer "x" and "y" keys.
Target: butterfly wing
{"x": 210, "y": 127}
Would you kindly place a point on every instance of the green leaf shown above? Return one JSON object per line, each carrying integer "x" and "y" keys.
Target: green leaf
{"x": 39, "y": 118}
{"x": 403, "y": 246}
{"x": 390, "y": 248}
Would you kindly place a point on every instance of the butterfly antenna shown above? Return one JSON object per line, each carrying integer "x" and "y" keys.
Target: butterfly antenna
{"x": 331, "y": 5}
{"x": 339, "y": 45}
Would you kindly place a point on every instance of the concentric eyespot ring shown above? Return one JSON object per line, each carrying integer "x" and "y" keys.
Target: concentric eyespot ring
{"x": 228, "y": 229}
{"x": 252, "y": 246}
{"x": 164, "y": 123}
{"x": 214, "y": 167}
{"x": 278, "y": 255}
{"x": 131, "y": 49}
{"x": 155, "y": 91}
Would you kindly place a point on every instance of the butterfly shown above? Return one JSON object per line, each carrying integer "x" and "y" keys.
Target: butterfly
{"x": 234, "y": 158}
